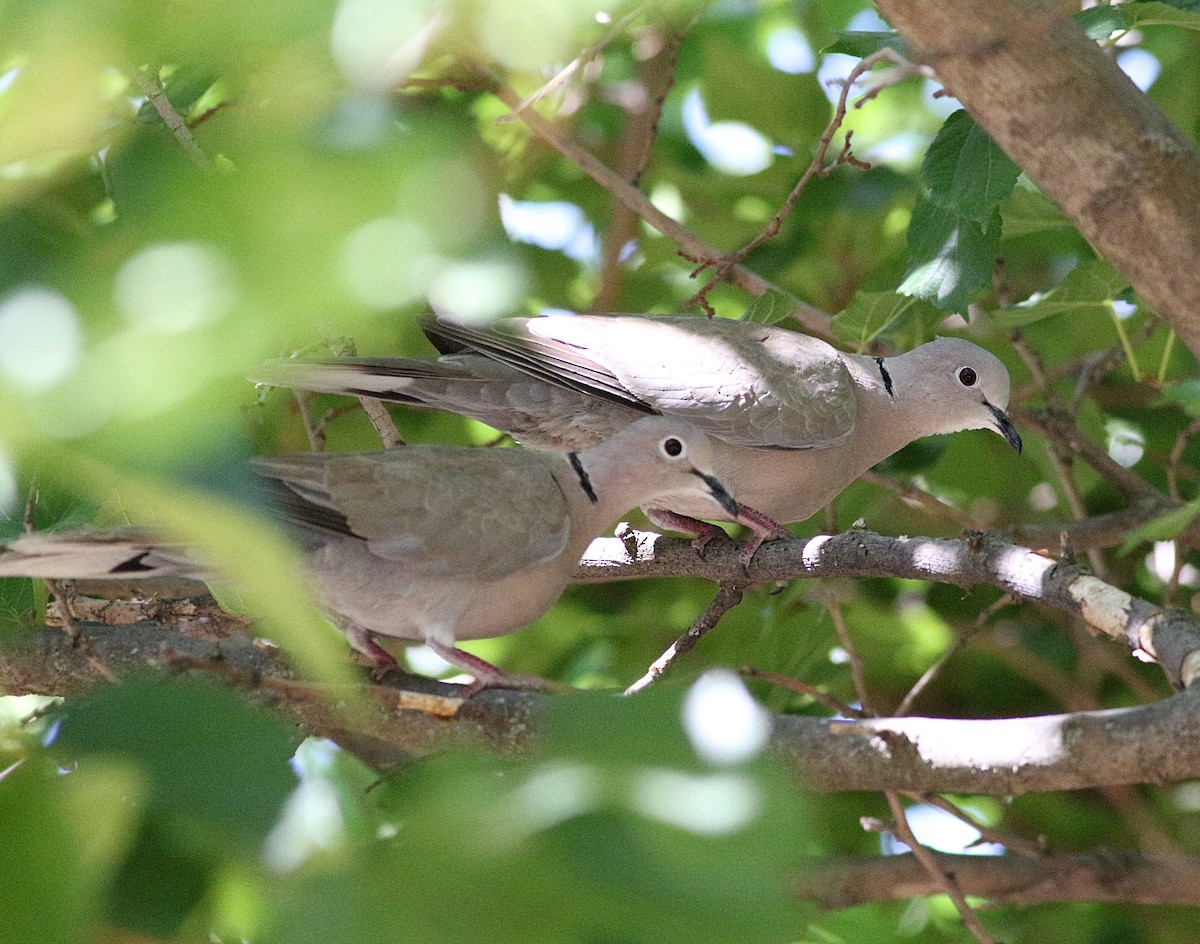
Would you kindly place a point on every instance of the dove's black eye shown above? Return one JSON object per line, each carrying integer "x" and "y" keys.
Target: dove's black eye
{"x": 967, "y": 376}
{"x": 672, "y": 447}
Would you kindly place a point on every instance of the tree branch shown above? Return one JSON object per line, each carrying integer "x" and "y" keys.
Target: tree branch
{"x": 414, "y": 716}
{"x": 1074, "y": 122}
{"x": 1171, "y": 636}
{"x": 813, "y": 319}
{"x": 1113, "y": 877}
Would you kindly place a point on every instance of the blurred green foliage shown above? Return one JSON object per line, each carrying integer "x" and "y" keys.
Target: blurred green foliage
{"x": 348, "y": 168}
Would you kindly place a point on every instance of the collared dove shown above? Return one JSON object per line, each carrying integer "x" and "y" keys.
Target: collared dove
{"x": 432, "y": 543}
{"x": 793, "y": 420}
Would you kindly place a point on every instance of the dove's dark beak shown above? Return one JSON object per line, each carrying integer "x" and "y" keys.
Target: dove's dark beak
{"x": 718, "y": 491}
{"x": 1005, "y": 426}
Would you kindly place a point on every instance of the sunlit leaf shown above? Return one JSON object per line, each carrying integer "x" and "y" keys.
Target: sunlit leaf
{"x": 1089, "y": 289}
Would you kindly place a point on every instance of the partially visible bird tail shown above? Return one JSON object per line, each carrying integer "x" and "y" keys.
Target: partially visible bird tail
{"x": 411, "y": 381}
{"x": 116, "y": 553}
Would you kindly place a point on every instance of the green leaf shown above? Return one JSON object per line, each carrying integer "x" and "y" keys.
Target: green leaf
{"x": 1164, "y": 527}
{"x": 1185, "y": 393}
{"x": 1100, "y": 22}
{"x": 1184, "y": 14}
{"x": 213, "y": 763}
{"x": 784, "y": 107}
{"x": 40, "y": 873}
{"x": 870, "y": 314}
{"x": 1030, "y": 211}
{"x": 772, "y": 307}
{"x": 863, "y": 44}
{"x": 965, "y": 171}
{"x": 950, "y": 258}
{"x": 1089, "y": 289}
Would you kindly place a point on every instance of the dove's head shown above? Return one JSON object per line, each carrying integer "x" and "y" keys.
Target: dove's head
{"x": 668, "y": 456}
{"x": 963, "y": 386}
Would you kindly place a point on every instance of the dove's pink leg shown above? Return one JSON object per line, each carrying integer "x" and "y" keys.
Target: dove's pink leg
{"x": 764, "y": 529}
{"x": 486, "y": 675}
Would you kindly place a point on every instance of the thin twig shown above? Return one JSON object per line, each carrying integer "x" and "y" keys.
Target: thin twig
{"x": 1172, "y": 468}
{"x": 900, "y": 821}
{"x": 945, "y": 881}
{"x": 148, "y": 84}
{"x": 835, "y": 705}
{"x": 561, "y": 79}
{"x": 912, "y": 495}
{"x": 1035, "y": 848}
{"x": 382, "y": 420}
{"x": 857, "y": 671}
{"x": 814, "y": 320}
{"x": 961, "y": 640}
{"x": 817, "y": 167}
{"x": 728, "y": 596}
{"x": 315, "y": 434}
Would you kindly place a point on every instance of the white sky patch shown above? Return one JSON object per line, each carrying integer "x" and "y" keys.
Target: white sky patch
{"x": 311, "y": 821}
{"x": 731, "y": 147}
{"x": 388, "y": 262}
{"x": 707, "y": 804}
{"x": 907, "y": 147}
{"x": 832, "y": 71}
{"x": 941, "y": 105}
{"x": 788, "y": 51}
{"x": 40, "y": 338}
{"x": 477, "y": 291}
{"x": 1123, "y": 309}
{"x": 170, "y": 288}
{"x": 551, "y": 225}
{"x": 667, "y": 199}
{"x": 1126, "y": 445}
{"x": 939, "y": 830}
{"x": 1141, "y": 66}
{"x": 8, "y": 485}
{"x": 424, "y": 661}
{"x": 376, "y": 43}
{"x": 557, "y": 792}
{"x": 1042, "y": 497}
{"x": 723, "y": 721}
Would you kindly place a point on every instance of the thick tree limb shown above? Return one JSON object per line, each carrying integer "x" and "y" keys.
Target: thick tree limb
{"x": 1117, "y": 877}
{"x": 1061, "y": 108}
{"x": 1171, "y": 636}
{"x": 1156, "y": 743}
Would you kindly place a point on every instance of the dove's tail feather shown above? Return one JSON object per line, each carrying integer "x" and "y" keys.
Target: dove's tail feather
{"x": 115, "y": 553}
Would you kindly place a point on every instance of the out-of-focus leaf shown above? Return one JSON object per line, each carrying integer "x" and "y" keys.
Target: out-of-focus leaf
{"x": 163, "y": 879}
{"x": 862, "y": 44}
{"x": 614, "y": 819}
{"x": 871, "y": 314}
{"x": 1164, "y": 527}
{"x": 212, "y": 763}
{"x": 1184, "y": 14}
{"x": 1185, "y": 393}
{"x": 1102, "y": 20}
{"x": 950, "y": 258}
{"x": 1030, "y": 211}
{"x": 41, "y": 878}
{"x": 771, "y": 307}
{"x": 1089, "y": 289}
{"x": 966, "y": 172}
{"x": 788, "y": 108}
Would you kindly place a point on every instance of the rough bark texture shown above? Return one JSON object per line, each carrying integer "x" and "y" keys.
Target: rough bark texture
{"x": 1171, "y": 636}
{"x": 407, "y": 717}
{"x": 1121, "y": 877}
{"x": 1061, "y": 108}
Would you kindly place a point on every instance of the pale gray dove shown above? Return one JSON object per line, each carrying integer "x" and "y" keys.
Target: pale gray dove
{"x": 432, "y": 543}
{"x": 792, "y": 419}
